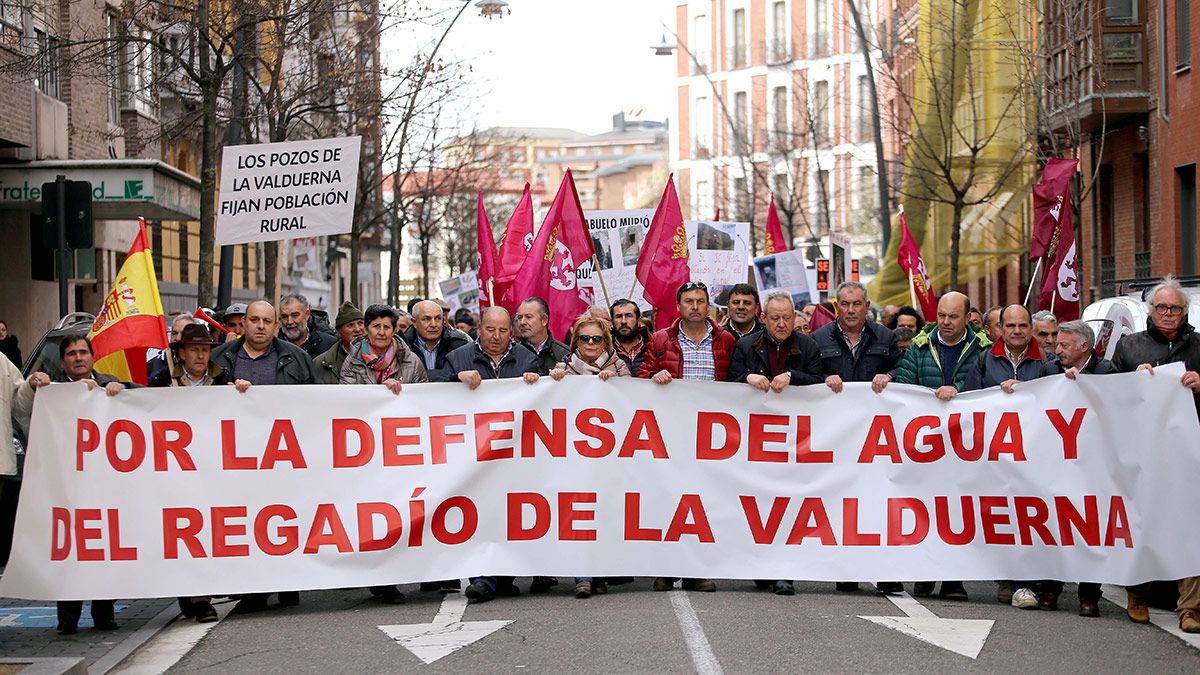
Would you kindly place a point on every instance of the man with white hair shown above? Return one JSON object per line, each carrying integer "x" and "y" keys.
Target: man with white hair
{"x": 1045, "y": 331}
{"x": 1168, "y": 338}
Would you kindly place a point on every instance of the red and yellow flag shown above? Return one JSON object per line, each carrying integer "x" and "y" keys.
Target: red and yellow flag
{"x": 131, "y": 320}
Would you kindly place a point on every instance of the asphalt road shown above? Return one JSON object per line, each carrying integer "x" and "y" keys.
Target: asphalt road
{"x": 632, "y": 629}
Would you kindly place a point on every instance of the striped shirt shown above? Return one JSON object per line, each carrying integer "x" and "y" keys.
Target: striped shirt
{"x": 698, "y": 363}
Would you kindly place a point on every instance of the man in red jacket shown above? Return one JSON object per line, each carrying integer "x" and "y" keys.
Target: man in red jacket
{"x": 692, "y": 348}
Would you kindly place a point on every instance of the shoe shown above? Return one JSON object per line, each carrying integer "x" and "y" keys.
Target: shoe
{"x": 104, "y": 624}
{"x": 479, "y": 592}
{"x": 889, "y": 587}
{"x": 1189, "y": 621}
{"x": 187, "y": 608}
{"x": 1023, "y": 598}
{"x": 1048, "y": 600}
{"x": 846, "y": 586}
{"x": 289, "y": 598}
{"x": 583, "y": 590}
{"x": 1089, "y": 609}
{"x": 1137, "y": 609}
{"x": 762, "y": 584}
{"x": 542, "y": 585}
{"x": 390, "y": 595}
{"x": 67, "y": 629}
{"x": 923, "y": 589}
{"x": 701, "y": 585}
{"x": 663, "y": 584}
{"x": 431, "y": 586}
{"x": 450, "y": 585}
{"x": 251, "y": 603}
{"x": 599, "y": 587}
{"x": 783, "y": 587}
{"x": 953, "y": 590}
{"x": 205, "y": 612}
{"x": 1004, "y": 592}
{"x": 507, "y": 589}
{"x": 617, "y": 581}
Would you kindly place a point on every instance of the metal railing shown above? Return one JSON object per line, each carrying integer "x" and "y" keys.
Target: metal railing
{"x": 1141, "y": 265}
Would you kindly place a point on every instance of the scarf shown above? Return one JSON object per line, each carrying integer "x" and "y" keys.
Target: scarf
{"x": 384, "y": 365}
{"x": 582, "y": 367}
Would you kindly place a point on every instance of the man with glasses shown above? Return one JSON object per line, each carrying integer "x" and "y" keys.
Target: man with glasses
{"x": 692, "y": 348}
{"x": 1168, "y": 338}
{"x": 855, "y": 350}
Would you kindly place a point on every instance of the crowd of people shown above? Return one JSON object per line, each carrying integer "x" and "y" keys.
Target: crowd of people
{"x": 768, "y": 344}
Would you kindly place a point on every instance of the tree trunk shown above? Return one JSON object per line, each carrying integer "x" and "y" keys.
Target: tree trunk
{"x": 955, "y": 243}
{"x": 210, "y": 88}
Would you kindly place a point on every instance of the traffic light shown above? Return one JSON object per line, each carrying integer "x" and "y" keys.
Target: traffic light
{"x": 80, "y": 229}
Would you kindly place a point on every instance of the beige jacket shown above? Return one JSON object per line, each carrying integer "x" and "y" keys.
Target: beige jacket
{"x": 16, "y": 401}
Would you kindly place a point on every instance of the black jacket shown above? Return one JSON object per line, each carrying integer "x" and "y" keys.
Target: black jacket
{"x": 552, "y": 354}
{"x": 1094, "y": 366}
{"x": 295, "y": 367}
{"x": 516, "y": 363}
{"x": 318, "y": 343}
{"x": 1151, "y": 346}
{"x": 803, "y": 360}
{"x": 994, "y": 367}
{"x": 758, "y": 327}
{"x": 451, "y": 339}
{"x": 878, "y": 354}
{"x": 101, "y": 379}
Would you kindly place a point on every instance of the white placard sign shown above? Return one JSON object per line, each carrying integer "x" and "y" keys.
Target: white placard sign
{"x": 784, "y": 271}
{"x": 461, "y": 291}
{"x": 272, "y": 191}
{"x": 617, "y": 237}
{"x": 720, "y": 253}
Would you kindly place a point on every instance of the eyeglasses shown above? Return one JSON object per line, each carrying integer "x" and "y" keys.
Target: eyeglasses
{"x": 591, "y": 339}
{"x": 693, "y": 285}
{"x": 1169, "y": 309}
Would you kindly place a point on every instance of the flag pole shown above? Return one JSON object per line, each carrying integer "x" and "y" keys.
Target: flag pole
{"x": 912, "y": 290}
{"x": 491, "y": 294}
{"x": 596, "y": 266}
{"x": 1036, "y": 269}
{"x": 1053, "y": 297}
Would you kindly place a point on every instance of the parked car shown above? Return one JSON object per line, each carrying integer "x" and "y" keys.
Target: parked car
{"x": 1125, "y": 313}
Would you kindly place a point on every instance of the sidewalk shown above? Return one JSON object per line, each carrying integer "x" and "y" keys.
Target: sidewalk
{"x": 27, "y": 630}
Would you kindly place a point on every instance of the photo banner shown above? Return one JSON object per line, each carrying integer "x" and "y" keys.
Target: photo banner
{"x": 273, "y": 191}
{"x": 617, "y": 237}
{"x": 720, "y": 256}
{"x": 462, "y": 291}
{"x": 196, "y": 491}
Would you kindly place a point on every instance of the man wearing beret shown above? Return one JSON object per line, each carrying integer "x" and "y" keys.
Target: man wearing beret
{"x": 349, "y": 325}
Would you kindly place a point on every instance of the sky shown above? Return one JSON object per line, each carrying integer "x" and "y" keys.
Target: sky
{"x": 555, "y": 63}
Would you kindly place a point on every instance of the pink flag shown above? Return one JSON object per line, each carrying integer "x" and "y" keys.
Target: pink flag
{"x": 561, "y": 244}
{"x": 514, "y": 245}
{"x": 487, "y": 257}
{"x": 1054, "y": 238}
{"x": 662, "y": 265}
{"x": 1049, "y": 196}
{"x": 775, "y": 242}
{"x": 909, "y": 258}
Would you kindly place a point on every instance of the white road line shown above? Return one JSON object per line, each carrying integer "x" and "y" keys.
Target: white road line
{"x": 693, "y": 634}
{"x": 170, "y": 645}
{"x": 1165, "y": 620}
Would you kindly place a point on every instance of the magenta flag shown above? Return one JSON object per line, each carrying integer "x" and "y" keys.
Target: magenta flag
{"x": 514, "y": 246}
{"x": 775, "y": 243}
{"x": 662, "y": 265}
{"x": 487, "y": 257}
{"x": 561, "y": 244}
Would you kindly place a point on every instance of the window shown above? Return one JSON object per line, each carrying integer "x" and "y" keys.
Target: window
{"x": 779, "y": 31}
{"x": 868, "y": 201}
{"x": 782, "y": 187}
{"x": 701, "y": 39}
{"x": 821, "y": 37}
{"x": 741, "y": 200}
{"x": 48, "y": 65}
{"x": 1183, "y": 33}
{"x": 866, "y": 130}
{"x": 703, "y": 132}
{"x": 821, "y": 198}
{"x": 739, "y": 39}
{"x": 137, "y": 74}
{"x": 1121, "y": 12}
{"x": 704, "y": 200}
{"x": 114, "y": 70}
{"x": 183, "y": 252}
{"x": 740, "y": 127}
{"x": 820, "y": 113}
{"x": 868, "y": 25}
{"x": 779, "y": 111}
{"x": 1186, "y": 176}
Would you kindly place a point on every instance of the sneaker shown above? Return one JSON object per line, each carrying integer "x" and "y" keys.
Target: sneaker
{"x": 701, "y": 585}
{"x": 1023, "y": 598}
{"x": 663, "y": 584}
{"x": 583, "y": 590}
{"x": 1048, "y": 600}
{"x": 953, "y": 590}
{"x": 1189, "y": 621}
{"x": 599, "y": 587}
{"x": 1137, "y": 609}
{"x": 784, "y": 587}
{"x": 479, "y": 592}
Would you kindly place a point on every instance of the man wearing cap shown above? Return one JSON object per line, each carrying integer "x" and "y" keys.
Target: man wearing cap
{"x": 234, "y": 319}
{"x": 349, "y": 325}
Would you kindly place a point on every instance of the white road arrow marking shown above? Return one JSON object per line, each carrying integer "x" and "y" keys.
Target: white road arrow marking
{"x": 446, "y": 634}
{"x": 961, "y": 636}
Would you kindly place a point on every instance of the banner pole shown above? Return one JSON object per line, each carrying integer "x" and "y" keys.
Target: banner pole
{"x": 491, "y": 294}
{"x": 1032, "y": 279}
{"x": 912, "y": 290}
{"x": 600, "y": 275}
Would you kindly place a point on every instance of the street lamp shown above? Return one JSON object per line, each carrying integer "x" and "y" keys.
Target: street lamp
{"x": 493, "y": 8}
{"x": 663, "y": 48}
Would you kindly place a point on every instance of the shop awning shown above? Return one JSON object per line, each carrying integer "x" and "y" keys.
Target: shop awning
{"x": 122, "y": 189}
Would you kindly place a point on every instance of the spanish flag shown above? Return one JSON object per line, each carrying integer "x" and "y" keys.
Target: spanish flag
{"x": 131, "y": 320}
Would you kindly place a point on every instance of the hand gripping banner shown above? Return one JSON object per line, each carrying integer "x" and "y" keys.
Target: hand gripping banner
{"x": 202, "y": 491}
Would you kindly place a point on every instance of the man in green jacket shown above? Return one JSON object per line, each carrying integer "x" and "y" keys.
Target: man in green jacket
{"x": 939, "y": 358}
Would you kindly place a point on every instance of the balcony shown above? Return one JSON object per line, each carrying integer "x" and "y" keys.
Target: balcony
{"x": 1097, "y": 77}
{"x": 1141, "y": 265}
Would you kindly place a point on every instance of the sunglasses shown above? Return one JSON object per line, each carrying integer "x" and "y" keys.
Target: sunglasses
{"x": 694, "y": 285}
{"x": 591, "y": 339}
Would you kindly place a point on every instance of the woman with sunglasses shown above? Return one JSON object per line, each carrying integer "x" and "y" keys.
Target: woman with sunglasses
{"x": 591, "y": 353}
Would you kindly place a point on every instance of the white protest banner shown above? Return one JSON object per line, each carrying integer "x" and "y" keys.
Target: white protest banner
{"x": 784, "y": 271}
{"x": 839, "y": 256}
{"x": 720, "y": 254}
{"x": 461, "y": 291}
{"x": 273, "y": 191}
{"x": 617, "y": 237}
{"x": 201, "y": 490}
